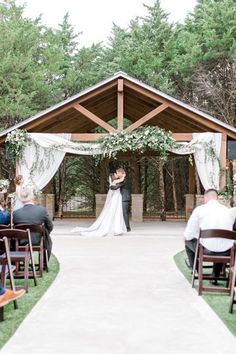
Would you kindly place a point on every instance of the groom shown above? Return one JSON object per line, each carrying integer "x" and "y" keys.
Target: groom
{"x": 125, "y": 191}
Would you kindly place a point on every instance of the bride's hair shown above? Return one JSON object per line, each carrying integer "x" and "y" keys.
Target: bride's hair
{"x": 112, "y": 177}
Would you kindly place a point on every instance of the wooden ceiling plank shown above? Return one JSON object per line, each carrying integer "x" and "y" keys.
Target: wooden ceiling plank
{"x": 97, "y": 92}
{"x": 147, "y": 117}
{"x": 194, "y": 116}
{"x": 94, "y": 118}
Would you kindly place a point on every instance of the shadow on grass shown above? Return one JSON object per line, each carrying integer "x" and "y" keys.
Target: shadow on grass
{"x": 218, "y": 302}
{"x": 13, "y": 318}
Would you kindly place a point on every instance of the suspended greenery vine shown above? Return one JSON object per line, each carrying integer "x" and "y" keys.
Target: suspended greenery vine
{"x": 141, "y": 140}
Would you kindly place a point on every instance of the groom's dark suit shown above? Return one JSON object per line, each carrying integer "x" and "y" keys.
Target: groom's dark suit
{"x": 125, "y": 191}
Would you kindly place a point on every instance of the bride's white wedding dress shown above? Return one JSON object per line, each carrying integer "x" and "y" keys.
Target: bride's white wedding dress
{"x": 110, "y": 221}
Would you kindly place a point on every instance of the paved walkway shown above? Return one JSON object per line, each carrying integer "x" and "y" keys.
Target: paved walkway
{"x": 121, "y": 295}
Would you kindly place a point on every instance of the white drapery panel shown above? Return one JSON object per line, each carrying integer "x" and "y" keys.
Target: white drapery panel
{"x": 208, "y": 166}
{"x": 39, "y": 164}
{"x": 43, "y": 156}
{"x": 205, "y": 148}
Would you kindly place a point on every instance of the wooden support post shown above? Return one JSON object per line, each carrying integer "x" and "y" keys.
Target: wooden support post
{"x": 103, "y": 176}
{"x": 120, "y": 104}
{"x": 223, "y": 152}
{"x": 135, "y": 175}
{"x": 191, "y": 179}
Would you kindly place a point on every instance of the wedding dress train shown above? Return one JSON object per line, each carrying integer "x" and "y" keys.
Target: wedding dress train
{"x": 110, "y": 221}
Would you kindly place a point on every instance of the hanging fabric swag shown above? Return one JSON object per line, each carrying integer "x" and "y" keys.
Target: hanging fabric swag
{"x": 45, "y": 152}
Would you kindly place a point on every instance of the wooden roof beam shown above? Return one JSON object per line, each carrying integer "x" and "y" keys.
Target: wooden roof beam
{"x": 120, "y": 104}
{"x": 184, "y": 137}
{"x": 85, "y": 112}
{"x": 94, "y": 136}
{"x": 86, "y": 136}
{"x": 147, "y": 117}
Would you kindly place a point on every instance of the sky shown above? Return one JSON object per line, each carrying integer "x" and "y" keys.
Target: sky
{"x": 94, "y": 18}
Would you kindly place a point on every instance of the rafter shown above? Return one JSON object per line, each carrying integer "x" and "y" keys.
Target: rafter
{"x": 147, "y": 117}
{"x": 85, "y": 112}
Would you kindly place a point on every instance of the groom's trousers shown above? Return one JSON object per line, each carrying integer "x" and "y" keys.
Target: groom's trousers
{"x": 125, "y": 207}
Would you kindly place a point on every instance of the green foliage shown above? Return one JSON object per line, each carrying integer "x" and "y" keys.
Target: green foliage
{"x": 218, "y": 302}
{"x": 194, "y": 61}
{"x": 16, "y": 143}
{"x": 13, "y": 318}
{"x": 140, "y": 140}
{"x": 140, "y": 50}
{"x": 40, "y": 66}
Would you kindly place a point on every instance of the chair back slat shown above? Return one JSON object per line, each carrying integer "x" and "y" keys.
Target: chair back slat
{"x": 218, "y": 233}
{"x": 4, "y": 227}
{"x": 15, "y": 234}
{"x": 31, "y": 227}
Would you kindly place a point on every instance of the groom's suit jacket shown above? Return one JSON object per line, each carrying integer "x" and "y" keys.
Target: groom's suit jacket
{"x": 125, "y": 190}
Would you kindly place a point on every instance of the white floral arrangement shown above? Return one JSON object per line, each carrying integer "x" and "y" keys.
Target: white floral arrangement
{"x": 4, "y": 185}
{"x": 16, "y": 142}
{"x": 141, "y": 140}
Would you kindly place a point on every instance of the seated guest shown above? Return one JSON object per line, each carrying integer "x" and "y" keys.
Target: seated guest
{"x": 33, "y": 214}
{"x": 4, "y": 214}
{"x": 210, "y": 215}
{"x": 7, "y": 295}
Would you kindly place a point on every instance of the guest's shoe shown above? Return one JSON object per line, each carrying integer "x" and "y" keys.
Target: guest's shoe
{"x": 10, "y": 295}
{"x": 188, "y": 263}
{"x": 128, "y": 229}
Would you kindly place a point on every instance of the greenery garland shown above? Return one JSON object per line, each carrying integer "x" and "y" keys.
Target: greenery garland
{"x": 143, "y": 139}
{"x": 16, "y": 143}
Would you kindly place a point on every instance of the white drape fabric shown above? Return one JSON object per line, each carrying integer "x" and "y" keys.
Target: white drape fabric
{"x": 208, "y": 166}
{"x": 44, "y": 154}
{"x": 39, "y": 164}
{"x": 205, "y": 148}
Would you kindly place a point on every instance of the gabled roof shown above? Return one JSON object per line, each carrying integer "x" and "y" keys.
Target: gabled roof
{"x": 139, "y": 100}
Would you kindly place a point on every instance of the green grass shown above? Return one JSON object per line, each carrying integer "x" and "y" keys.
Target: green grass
{"x": 218, "y": 302}
{"x": 13, "y": 318}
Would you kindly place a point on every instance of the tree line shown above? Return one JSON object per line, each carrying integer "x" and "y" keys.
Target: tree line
{"x": 193, "y": 61}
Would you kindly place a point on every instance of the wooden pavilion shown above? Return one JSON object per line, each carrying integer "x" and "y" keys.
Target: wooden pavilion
{"x": 122, "y": 96}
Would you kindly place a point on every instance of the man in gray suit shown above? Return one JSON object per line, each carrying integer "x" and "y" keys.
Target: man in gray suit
{"x": 34, "y": 214}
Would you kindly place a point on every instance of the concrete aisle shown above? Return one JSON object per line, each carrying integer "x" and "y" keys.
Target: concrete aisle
{"x": 121, "y": 295}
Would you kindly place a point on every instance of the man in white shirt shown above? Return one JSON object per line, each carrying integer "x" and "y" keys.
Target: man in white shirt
{"x": 210, "y": 215}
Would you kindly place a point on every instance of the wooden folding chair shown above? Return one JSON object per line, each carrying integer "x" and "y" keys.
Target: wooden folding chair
{"x": 6, "y": 269}
{"x": 4, "y": 227}
{"x": 233, "y": 289}
{"x": 18, "y": 256}
{"x": 201, "y": 258}
{"x": 40, "y": 229}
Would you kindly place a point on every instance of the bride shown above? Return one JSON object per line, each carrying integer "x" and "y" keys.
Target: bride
{"x": 110, "y": 221}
